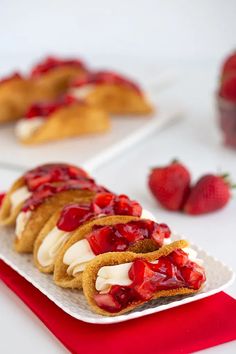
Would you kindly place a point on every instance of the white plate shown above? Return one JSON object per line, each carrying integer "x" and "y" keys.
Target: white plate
{"x": 219, "y": 276}
{"x": 88, "y": 151}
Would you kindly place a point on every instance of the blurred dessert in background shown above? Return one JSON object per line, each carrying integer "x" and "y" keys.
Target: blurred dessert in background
{"x": 60, "y": 119}
{"x": 226, "y": 101}
{"x": 112, "y": 92}
{"x": 52, "y": 76}
{"x": 15, "y": 97}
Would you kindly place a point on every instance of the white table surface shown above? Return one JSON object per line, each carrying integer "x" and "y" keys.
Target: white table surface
{"x": 196, "y": 141}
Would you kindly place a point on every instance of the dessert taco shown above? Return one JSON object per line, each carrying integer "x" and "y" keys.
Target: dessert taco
{"x": 105, "y": 234}
{"x": 15, "y": 97}
{"x": 24, "y": 187}
{"x": 116, "y": 283}
{"x": 65, "y": 222}
{"x": 60, "y": 119}
{"x": 52, "y": 76}
{"x": 112, "y": 93}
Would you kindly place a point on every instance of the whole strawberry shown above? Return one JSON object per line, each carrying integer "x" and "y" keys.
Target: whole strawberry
{"x": 170, "y": 185}
{"x": 210, "y": 193}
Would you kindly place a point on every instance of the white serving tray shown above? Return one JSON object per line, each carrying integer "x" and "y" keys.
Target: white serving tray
{"x": 219, "y": 276}
{"x": 88, "y": 151}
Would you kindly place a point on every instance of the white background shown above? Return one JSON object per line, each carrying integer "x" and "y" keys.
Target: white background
{"x": 189, "y": 38}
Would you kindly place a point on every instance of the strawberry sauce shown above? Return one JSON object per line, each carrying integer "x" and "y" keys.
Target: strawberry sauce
{"x": 170, "y": 272}
{"x": 50, "y": 173}
{"x": 106, "y": 77}
{"x": 119, "y": 237}
{"x": 47, "y": 180}
{"x": 74, "y": 215}
{"x": 51, "y": 63}
{"x": 44, "y": 110}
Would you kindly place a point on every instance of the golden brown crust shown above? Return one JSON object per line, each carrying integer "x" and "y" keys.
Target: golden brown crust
{"x": 71, "y": 121}
{"x": 113, "y": 258}
{"x": 15, "y": 97}
{"x": 41, "y": 215}
{"x": 8, "y": 216}
{"x": 55, "y": 82}
{"x": 118, "y": 99}
{"x": 61, "y": 277}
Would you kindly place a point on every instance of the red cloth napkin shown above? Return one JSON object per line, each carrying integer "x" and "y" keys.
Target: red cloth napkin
{"x": 184, "y": 329}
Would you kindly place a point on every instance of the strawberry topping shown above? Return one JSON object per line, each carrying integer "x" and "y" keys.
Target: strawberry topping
{"x": 106, "y": 77}
{"x": 2, "y": 196}
{"x": 51, "y": 63}
{"x": 169, "y": 272}
{"x": 74, "y": 215}
{"x": 53, "y": 173}
{"x": 45, "y": 110}
{"x": 48, "y": 190}
{"x": 119, "y": 237}
{"x": 107, "y": 203}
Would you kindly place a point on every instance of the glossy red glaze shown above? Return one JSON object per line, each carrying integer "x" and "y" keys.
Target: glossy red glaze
{"x": 119, "y": 237}
{"x": 2, "y": 196}
{"x": 51, "y": 63}
{"x": 48, "y": 190}
{"x": 170, "y": 272}
{"x": 53, "y": 173}
{"x": 11, "y": 77}
{"x": 45, "y": 110}
{"x": 106, "y": 77}
{"x": 107, "y": 203}
{"x": 74, "y": 215}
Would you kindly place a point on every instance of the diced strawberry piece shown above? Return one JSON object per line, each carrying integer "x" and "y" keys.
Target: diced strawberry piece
{"x": 72, "y": 216}
{"x": 2, "y": 196}
{"x": 100, "y": 240}
{"x": 142, "y": 275}
{"x": 124, "y": 206}
{"x": 122, "y": 294}
{"x": 179, "y": 258}
{"x": 160, "y": 231}
{"x": 103, "y": 202}
{"x": 194, "y": 275}
{"x": 131, "y": 231}
{"x": 33, "y": 184}
{"x": 107, "y": 302}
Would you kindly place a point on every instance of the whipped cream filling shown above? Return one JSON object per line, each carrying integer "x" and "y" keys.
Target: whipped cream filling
{"x": 82, "y": 92}
{"x": 146, "y": 214}
{"x": 19, "y": 196}
{"x": 50, "y": 246}
{"x": 119, "y": 274}
{"x": 77, "y": 256}
{"x": 21, "y": 222}
{"x": 27, "y": 127}
{"x": 113, "y": 275}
